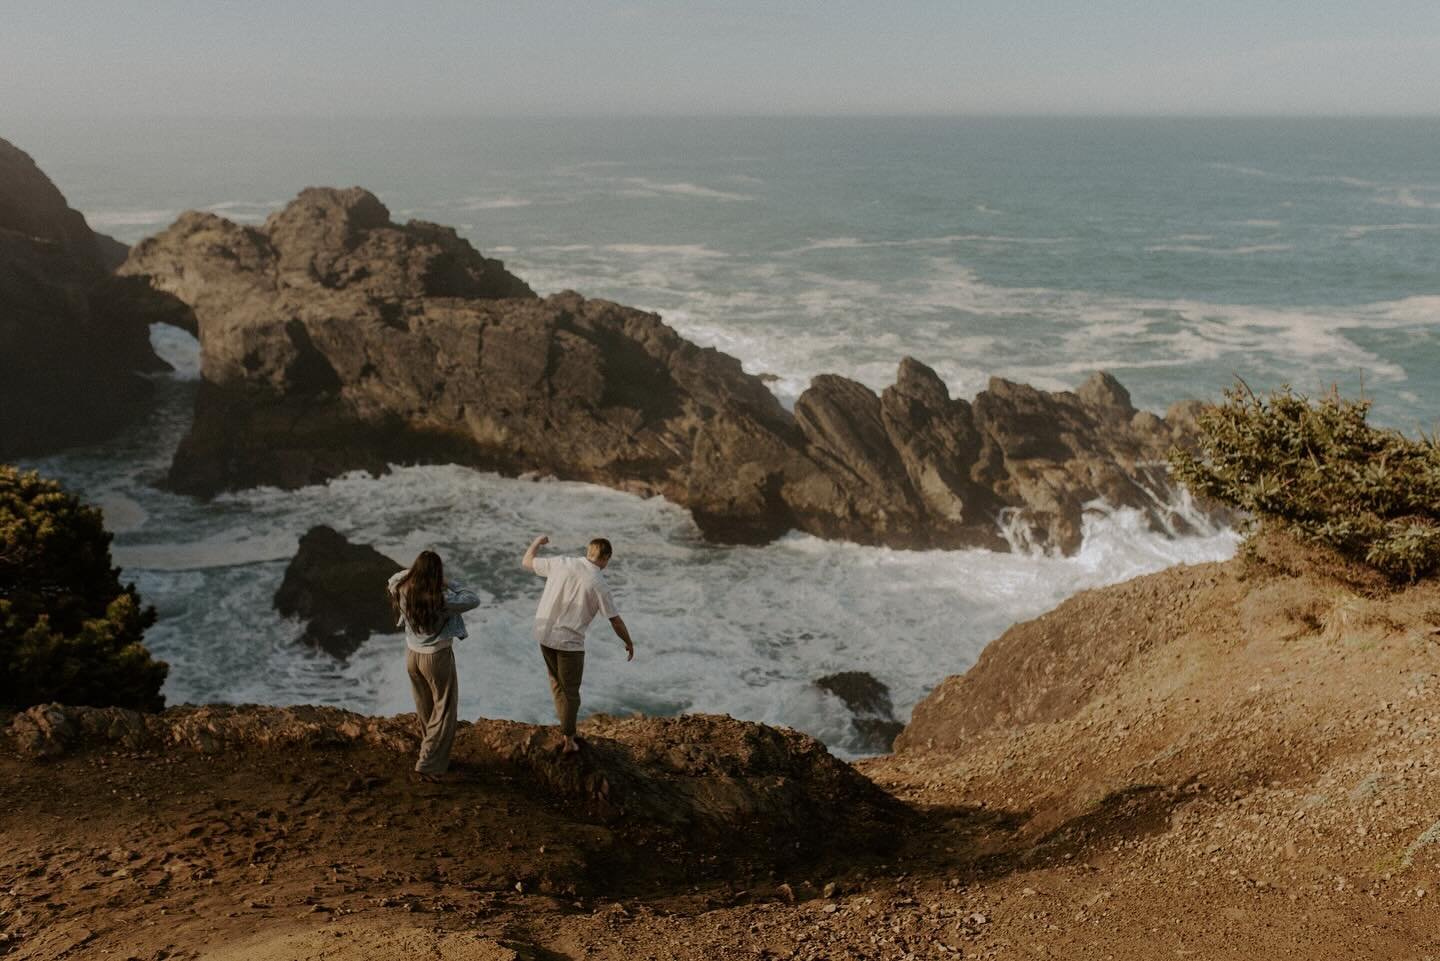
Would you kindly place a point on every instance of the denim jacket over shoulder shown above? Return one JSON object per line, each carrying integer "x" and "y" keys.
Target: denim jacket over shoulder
{"x": 457, "y": 600}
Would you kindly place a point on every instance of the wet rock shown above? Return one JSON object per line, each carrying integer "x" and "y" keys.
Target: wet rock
{"x": 339, "y": 589}
{"x": 862, "y": 693}
{"x": 868, "y": 699}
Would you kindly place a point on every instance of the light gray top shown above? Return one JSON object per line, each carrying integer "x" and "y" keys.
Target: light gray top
{"x": 457, "y": 599}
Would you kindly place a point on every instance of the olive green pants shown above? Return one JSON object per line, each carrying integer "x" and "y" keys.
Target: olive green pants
{"x": 437, "y": 700}
{"x": 565, "y": 669}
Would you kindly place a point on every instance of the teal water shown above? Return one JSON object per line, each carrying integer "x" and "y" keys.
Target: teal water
{"x": 1176, "y": 253}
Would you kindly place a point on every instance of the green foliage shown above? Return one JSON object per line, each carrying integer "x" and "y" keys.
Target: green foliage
{"x": 1319, "y": 471}
{"x": 68, "y": 630}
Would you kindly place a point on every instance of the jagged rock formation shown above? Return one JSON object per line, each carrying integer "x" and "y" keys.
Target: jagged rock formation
{"x": 72, "y": 337}
{"x": 333, "y": 339}
{"x": 339, "y": 589}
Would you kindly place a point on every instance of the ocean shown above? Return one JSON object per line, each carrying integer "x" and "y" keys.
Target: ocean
{"x": 1177, "y": 254}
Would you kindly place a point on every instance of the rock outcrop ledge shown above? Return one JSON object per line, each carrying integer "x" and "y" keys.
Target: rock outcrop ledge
{"x": 334, "y": 339}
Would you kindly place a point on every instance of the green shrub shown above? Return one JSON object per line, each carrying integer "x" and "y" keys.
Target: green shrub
{"x": 69, "y": 631}
{"x": 1319, "y": 471}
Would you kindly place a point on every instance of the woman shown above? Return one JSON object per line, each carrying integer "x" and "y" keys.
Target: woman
{"x": 430, "y": 611}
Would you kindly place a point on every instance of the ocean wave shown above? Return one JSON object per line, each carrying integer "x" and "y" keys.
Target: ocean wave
{"x": 492, "y": 203}
{"x": 244, "y": 211}
{"x": 1244, "y": 250}
{"x": 1355, "y": 231}
{"x": 230, "y": 549}
{"x": 1410, "y": 197}
{"x": 1388, "y": 193}
{"x": 129, "y": 218}
{"x": 646, "y": 187}
{"x": 855, "y": 243}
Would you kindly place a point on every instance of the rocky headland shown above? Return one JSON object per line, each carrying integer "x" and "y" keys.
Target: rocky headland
{"x": 74, "y": 339}
{"x": 334, "y": 339}
{"x": 1230, "y": 760}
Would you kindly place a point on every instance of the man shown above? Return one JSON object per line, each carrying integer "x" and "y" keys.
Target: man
{"x": 575, "y": 591}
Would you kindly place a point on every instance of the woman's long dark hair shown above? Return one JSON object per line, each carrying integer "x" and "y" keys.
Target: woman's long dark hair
{"x": 420, "y": 594}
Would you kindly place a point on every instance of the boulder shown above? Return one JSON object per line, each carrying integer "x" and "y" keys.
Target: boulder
{"x": 334, "y": 339}
{"x": 339, "y": 589}
{"x": 71, "y": 344}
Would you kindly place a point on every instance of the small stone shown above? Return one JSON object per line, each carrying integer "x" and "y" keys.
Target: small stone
{"x": 520, "y": 887}
{"x": 829, "y": 890}
{"x": 787, "y": 892}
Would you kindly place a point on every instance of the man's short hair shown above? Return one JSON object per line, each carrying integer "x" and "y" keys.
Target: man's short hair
{"x": 599, "y": 549}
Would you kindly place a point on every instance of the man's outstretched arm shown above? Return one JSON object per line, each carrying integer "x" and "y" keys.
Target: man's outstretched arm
{"x": 623, "y": 632}
{"x": 528, "y": 561}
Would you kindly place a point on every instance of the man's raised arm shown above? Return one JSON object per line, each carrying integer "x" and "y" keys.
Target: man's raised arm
{"x": 623, "y": 632}
{"x": 528, "y": 561}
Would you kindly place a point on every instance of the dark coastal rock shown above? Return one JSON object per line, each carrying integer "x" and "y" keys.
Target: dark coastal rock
{"x": 868, "y": 699}
{"x": 112, "y": 253}
{"x": 339, "y": 588}
{"x": 71, "y": 345}
{"x": 334, "y": 339}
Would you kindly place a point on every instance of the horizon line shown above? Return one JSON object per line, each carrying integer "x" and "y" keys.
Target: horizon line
{"x": 737, "y": 115}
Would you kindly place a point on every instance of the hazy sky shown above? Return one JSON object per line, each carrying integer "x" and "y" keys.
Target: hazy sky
{"x": 446, "y": 57}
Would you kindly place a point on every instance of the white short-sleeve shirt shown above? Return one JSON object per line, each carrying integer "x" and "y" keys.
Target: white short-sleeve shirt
{"x": 575, "y": 591}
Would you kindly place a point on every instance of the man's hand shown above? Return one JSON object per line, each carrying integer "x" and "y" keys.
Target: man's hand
{"x": 617, "y": 624}
{"x": 542, "y": 540}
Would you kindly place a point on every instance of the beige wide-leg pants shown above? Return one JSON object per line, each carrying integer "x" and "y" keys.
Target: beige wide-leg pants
{"x": 565, "y": 669}
{"x": 437, "y": 700}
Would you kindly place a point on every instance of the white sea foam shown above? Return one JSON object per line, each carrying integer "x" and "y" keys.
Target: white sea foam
{"x": 1240, "y": 251}
{"x": 129, "y": 218}
{"x": 493, "y": 203}
{"x": 178, "y": 348}
{"x": 122, "y": 514}
{"x": 1411, "y": 197}
{"x": 855, "y": 243}
{"x": 666, "y": 250}
{"x": 225, "y": 550}
{"x": 245, "y": 211}
{"x": 645, "y": 186}
{"x": 1356, "y": 231}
